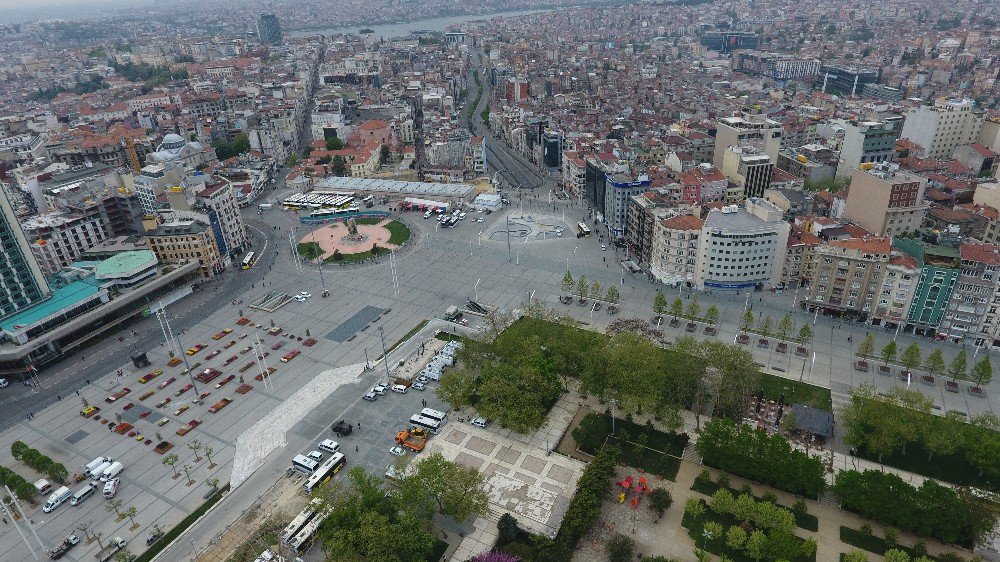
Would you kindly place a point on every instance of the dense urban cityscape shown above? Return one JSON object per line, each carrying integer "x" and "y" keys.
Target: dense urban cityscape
{"x": 657, "y": 281}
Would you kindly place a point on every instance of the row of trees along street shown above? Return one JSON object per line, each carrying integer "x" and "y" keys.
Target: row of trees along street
{"x": 933, "y": 364}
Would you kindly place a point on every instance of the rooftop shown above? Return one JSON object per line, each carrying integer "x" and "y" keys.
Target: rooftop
{"x": 395, "y": 186}
{"x": 125, "y": 262}
{"x": 62, "y": 298}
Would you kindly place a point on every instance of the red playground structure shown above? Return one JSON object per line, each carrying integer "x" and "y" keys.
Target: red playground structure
{"x": 632, "y": 490}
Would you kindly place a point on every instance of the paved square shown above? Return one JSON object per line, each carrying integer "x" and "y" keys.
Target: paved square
{"x": 355, "y": 324}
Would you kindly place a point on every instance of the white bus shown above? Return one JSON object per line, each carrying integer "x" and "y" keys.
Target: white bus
{"x": 325, "y": 472}
{"x": 293, "y": 528}
{"x": 582, "y": 230}
{"x": 427, "y": 423}
{"x": 304, "y": 464}
{"x": 248, "y": 261}
{"x": 369, "y": 201}
{"x": 433, "y": 414}
{"x": 307, "y": 535}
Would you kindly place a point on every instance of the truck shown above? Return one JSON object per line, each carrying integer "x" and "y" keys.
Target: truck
{"x": 68, "y": 543}
{"x": 109, "y": 551}
{"x": 414, "y": 439}
{"x": 452, "y": 314}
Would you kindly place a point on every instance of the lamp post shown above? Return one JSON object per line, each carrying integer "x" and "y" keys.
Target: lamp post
{"x": 385, "y": 356}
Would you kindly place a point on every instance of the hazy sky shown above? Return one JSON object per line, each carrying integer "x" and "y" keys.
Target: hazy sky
{"x": 29, "y": 10}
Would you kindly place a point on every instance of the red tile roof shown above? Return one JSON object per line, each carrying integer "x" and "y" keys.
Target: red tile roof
{"x": 981, "y": 253}
{"x": 683, "y": 222}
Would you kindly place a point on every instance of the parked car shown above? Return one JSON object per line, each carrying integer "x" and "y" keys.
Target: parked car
{"x": 369, "y": 396}
{"x": 418, "y": 386}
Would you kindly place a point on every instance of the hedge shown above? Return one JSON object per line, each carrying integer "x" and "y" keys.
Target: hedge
{"x": 769, "y": 459}
{"x": 932, "y": 510}
{"x": 172, "y": 534}
{"x": 585, "y": 507}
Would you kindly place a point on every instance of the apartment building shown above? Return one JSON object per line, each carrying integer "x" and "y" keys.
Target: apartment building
{"x": 674, "y": 257}
{"x": 848, "y": 274}
{"x": 940, "y": 268}
{"x": 899, "y": 286}
{"x": 219, "y": 202}
{"x": 741, "y": 247}
{"x": 749, "y": 168}
{"x": 978, "y": 281}
{"x": 58, "y": 239}
{"x": 866, "y": 141}
{"x": 886, "y": 201}
{"x": 644, "y": 211}
{"x": 750, "y": 129}
{"x": 941, "y": 127}
{"x": 798, "y": 264}
{"x": 181, "y": 238}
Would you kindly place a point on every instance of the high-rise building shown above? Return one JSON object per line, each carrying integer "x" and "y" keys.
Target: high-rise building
{"x": 750, "y": 129}
{"x": 775, "y": 66}
{"x": 845, "y": 80}
{"x": 268, "y": 29}
{"x": 749, "y": 168}
{"x": 741, "y": 247}
{"x": 728, "y": 41}
{"x": 967, "y": 310}
{"x": 886, "y": 201}
{"x": 939, "y": 128}
{"x": 866, "y": 141}
{"x": 58, "y": 239}
{"x": 22, "y": 283}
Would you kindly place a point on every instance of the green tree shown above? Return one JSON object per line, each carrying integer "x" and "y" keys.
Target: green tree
{"x": 785, "y": 327}
{"x": 722, "y": 501}
{"x": 747, "y": 320}
{"x": 756, "y": 545}
{"x": 911, "y": 357}
{"x": 982, "y": 372}
{"x": 612, "y": 296}
{"x": 18, "y": 448}
{"x": 889, "y": 353}
{"x": 712, "y": 315}
{"x": 124, "y": 555}
{"x": 186, "y": 469}
{"x": 782, "y": 544}
{"x": 765, "y": 325}
{"x": 867, "y": 347}
{"x": 744, "y": 508}
{"x": 736, "y": 537}
{"x": 338, "y": 166}
{"x": 457, "y": 387}
{"x": 896, "y": 555}
{"x": 115, "y": 505}
{"x": 694, "y": 309}
{"x": 334, "y": 144}
{"x": 677, "y": 307}
{"x": 454, "y": 490}
{"x": 984, "y": 449}
{"x": 567, "y": 282}
{"x": 660, "y": 500}
{"x": 171, "y": 461}
{"x": 944, "y": 435}
{"x": 935, "y": 363}
{"x": 195, "y": 446}
{"x": 855, "y": 556}
{"x": 959, "y": 365}
{"x": 507, "y": 528}
{"x": 582, "y": 288}
{"x": 805, "y": 334}
{"x": 659, "y": 303}
{"x": 595, "y": 290}
{"x": 130, "y": 512}
{"x": 694, "y": 508}
{"x": 620, "y": 548}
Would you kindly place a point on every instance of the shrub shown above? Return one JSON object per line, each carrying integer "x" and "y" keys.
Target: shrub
{"x": 660, "y": 501}
{"x": 620, "y": 548}
{"x": 585, "y": 507}
{"x": 769, "y": 459}
{"x": 507, "y": 528}
{"x": 495, "y": 557}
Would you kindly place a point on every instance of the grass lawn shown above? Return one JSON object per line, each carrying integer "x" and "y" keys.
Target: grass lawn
{"x": 796, "y": 392}
{"x": 717, "y": 545}
{"x": 659, "y": 455}
{"x": 407, "y": 336}
{"x": 398, "y": 233}
{"x": 309, "y": 250}
{"x": 871, "y": 543}
{"x": 806, "y": 521}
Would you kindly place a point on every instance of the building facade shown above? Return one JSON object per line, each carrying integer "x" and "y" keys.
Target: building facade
{"x": 181, "y": 239}
{"x": 22, "y": 283}
{"x": 741, "y": 247}
{"x": 941, "y": 127}
{"x": 967, "y": 309}
{"x": 749, "y": 168}
{"x": 674, "y": 257}
{"x": 58, "y": 239}
{"x": 866, "y": 141}
{"x": 219, "y": 203}
{"x": 886, "y": 201}
{"x": 750, "y": 129}
{"x": 847, "y": 276}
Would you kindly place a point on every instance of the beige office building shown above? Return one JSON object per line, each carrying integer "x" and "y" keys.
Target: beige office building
{"x": 886, "y": 201}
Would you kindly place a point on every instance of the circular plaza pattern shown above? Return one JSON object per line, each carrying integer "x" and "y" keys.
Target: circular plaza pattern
{"x": 334, "y": 240}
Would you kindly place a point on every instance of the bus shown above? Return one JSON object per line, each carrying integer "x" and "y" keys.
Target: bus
{"x": 433, "y": 414}
{"x": 304, "y": 464}
{"x": 581, "y": 230}
{"x": 293, "y": 528}
{"x": 427, "y": 423}
{"x": 305, "y": 537}
{"x": 248, "y": 261}
{"x": 325, "y": 472}
{"x": 369, "y": 201}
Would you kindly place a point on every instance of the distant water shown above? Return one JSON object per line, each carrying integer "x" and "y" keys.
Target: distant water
{"x": 391, "y": 30}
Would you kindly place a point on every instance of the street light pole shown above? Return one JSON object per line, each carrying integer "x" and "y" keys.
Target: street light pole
{"x": 385, "y": 356}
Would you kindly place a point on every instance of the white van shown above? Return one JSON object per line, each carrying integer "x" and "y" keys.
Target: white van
{"x": 112, "y": 471}
{"x": 57, "y": 498}
{"x": 111, "y": 488}
{"x": 99, "y": 471}
{"x": 43, "y": 486}
{"x": 399, "y": 388}
{"x": 83, "y": 493}
{"x": 329, "y": 445}
{"x": 91, "y": 466}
